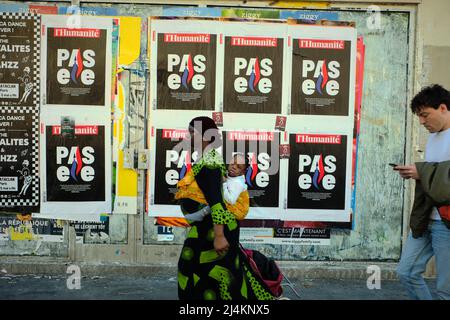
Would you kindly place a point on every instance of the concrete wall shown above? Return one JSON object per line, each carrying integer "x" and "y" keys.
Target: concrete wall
{"x": 434, "y": 43}
{"x": 396, "y": 66}
{"x": 435, "y": 27}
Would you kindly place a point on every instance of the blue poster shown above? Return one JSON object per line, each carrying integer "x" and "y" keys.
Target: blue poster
{"x": 191, "y": 12}
{"x": 14, "y": 7}
{"x": 311, "y": 15}
{"x": 89, "y": 11}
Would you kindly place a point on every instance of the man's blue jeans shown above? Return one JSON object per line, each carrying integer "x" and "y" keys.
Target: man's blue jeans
{"x": 417, "y": 252}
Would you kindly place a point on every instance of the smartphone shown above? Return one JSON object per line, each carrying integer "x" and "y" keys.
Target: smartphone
{"x": 393, "y": 165}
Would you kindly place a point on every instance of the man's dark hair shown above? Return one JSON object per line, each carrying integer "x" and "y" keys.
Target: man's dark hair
{"x": 431, "y": 96}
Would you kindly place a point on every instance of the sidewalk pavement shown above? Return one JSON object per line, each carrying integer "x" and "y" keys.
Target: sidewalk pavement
{"x": 20, "y": 282}
{"x": 35, "y": 287}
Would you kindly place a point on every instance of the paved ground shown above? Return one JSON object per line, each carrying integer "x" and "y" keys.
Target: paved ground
{"x": 31, "y": 287}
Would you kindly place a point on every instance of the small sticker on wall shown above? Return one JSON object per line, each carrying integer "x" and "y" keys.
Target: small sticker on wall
{"x": 218, "y": 118}
{"x": 280, "y": 123}
{"x": 285, "y": 151}
{"x": 165, "y": 233}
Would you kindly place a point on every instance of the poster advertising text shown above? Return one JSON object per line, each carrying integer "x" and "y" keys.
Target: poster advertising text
{"x": 186, "y": 71}
{"x": 317, "y": 171}
{"x": 76, "y": 165}
{"x": 76, "y": 66}
{"x": 23, "y": 227}
{"x": 320, "y": 77}
{"x": 19, "y": 177}
{"x": 285, "y": 236}
{"x": 253, "y": 74}
{"x": 19, "y": 59}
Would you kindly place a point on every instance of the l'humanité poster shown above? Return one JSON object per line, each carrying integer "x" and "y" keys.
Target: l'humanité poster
{"x": 76, "y": 61}
{"x": 253, "y": 72}
{"x": 76, "y": 165}
{"x": 186, "y": 71}
{"x": 321, "y": 77}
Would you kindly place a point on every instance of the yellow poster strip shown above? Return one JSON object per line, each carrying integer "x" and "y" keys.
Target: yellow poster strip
{"x": 129, "y": 39}
{"x": 24, "y": 232}
{"x": 126, "y": 179}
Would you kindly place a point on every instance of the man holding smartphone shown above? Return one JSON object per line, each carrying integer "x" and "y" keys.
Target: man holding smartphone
{"x": 430, "y": 216}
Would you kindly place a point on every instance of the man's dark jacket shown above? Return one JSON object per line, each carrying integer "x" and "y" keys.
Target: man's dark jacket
{"x": 432, "y": 190}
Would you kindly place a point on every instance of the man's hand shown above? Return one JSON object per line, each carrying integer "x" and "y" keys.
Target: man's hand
{"x": 221, "y": 244}
{"x": 408, "y": 172}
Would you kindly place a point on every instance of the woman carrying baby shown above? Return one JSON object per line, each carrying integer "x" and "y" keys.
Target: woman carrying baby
{"x": 211, "y": 265}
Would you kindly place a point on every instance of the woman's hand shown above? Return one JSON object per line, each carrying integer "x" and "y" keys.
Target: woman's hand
{"x": 221, "y": 244}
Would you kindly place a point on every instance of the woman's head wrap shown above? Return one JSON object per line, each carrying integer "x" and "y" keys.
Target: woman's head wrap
{"x": 202, "y": 125}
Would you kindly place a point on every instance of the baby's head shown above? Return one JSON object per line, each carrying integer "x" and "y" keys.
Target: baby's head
{"x": 238, "y": 165}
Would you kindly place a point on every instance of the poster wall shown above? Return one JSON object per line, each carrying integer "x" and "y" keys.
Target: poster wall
{"x": 299, "y": 79}
{"x": 185, "y": 64}
{"x": 236, "y": 69}
{"x": 75, "y": 131}
{"x": 320, "y": 123}
{"x": 323, "y": 225}
{"x": 19, "y": 112}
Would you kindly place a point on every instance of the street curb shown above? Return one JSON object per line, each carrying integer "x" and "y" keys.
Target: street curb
{"x": 292, "y": 269}
{"x": 338, "y": 269}
{"x": 59, "y": 266}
